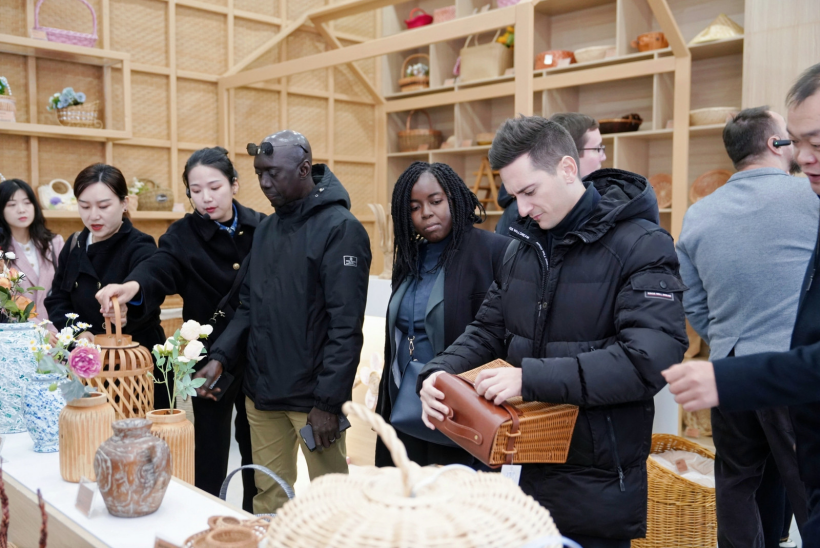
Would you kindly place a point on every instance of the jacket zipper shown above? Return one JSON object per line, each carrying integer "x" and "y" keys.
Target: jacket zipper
{"x": 616, "y": 457}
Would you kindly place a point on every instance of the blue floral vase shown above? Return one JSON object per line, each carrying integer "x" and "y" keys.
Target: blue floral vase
{"x": 17, "y": 365}
{"x": 41, "y": 411}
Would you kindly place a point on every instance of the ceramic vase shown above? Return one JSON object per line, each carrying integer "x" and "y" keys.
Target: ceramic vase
{"x": 41, "y": 411}
{"x": 133, "y": 469}
{"x": 178, "y": 432}
{"x": 17, "y": 365}
{"x": 84, "y": 424}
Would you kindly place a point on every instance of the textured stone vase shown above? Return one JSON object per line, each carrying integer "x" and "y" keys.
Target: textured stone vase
{"x": 178, "y": 433}
{"x": 17, "y": 365}
{"x": 133, "y": 469}
{"x": 41, "y": 411}
{"x": 84, "y": 424}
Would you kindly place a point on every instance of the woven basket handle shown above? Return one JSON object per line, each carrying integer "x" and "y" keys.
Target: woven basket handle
{"x": 415, "y": 55}
{"x": 497, "y": 34}
{"x": 412, "y": 112}
{"x": 414, "y": 10}
{"x": 115, "y": 302}
{"x": 388, "y": 435}
{"x": 93, "y": 15}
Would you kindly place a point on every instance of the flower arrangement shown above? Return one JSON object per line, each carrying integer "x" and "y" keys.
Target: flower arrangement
{"x": 418, "y": 69}
{"x": 137, "y": 187}
{"x": 72, "y": 357}
{"x": 14, "y": 305}
{"x": 178, "y": 356}
{"x": 66, "y": 98}
{"x": 5, "y": 89}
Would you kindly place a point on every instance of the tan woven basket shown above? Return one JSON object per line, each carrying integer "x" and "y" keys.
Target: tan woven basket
{"x": 413, "y": 83}
{"x": 681, "y": 513}
{"x": 410, "y": 506}
{"x": 155, "y": 198}
{"x": 84, "y": 115}
{"x": 545, "y": 428}
{"x": 124, "y": 375}
{"x": 412, "y": 139}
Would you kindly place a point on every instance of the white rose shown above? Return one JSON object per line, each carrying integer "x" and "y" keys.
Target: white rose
{"x": 193, "y": 349}
{"x": 190, "y": 330}
{"x": 10, "y": 256}
{"x": 168, "y": 347}
{"x": 207, "y": 330}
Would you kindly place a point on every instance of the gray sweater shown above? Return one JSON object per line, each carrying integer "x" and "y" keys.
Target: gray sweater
{"x": 743, "y": 253}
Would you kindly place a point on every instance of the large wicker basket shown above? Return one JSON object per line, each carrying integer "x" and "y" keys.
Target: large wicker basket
{"x": 124, "y": 376}
{"x": 8, "y": 108}
{"x": 84, "y": 115}
{"x": 681, "y": 513}
{"x": 155, "y": 198}
{"x": 413, "y": 139}
{"x": 413, "y": 83}
{"x": 411, "y": 507}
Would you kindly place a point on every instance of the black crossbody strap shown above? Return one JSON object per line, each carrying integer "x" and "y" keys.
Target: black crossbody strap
{"x": 237, "y": 282}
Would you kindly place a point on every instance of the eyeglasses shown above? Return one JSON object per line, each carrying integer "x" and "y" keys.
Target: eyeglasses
{"x": 267, "y": 149}
{"x": 777, "y": 143}
{"x": 601, "y": 149}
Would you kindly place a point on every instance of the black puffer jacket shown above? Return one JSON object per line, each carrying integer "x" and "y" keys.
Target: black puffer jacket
{"x": 302, "y": 303}
{"x": 593, "y": 324}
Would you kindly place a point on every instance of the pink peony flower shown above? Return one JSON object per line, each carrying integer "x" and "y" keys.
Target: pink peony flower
{"x": 85, "y": 361}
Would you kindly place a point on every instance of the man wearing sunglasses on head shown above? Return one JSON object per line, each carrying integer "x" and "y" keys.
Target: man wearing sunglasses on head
{"x": 301, "y": 313}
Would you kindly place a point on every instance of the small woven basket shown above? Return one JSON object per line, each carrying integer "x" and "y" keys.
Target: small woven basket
{"x": 412, "y": 139}
{"x": 410, "y": 507}
{"x": 681, "y": 513}
{"x": 8, "y": 108}
{"x": 84, "y": 115}
{"x": 68, "y": 36}
{"x": 155, "y": 197}
{"x": 413, "y": 83}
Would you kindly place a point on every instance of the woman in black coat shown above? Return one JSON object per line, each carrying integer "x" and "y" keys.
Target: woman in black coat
{"x": 106, "y": 251}
{"x": 200, "y": 258}
{"x": 442, "y": 268}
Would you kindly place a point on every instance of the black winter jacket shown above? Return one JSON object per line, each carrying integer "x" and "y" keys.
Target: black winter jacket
{"x": 592, "y": 324}
{"x": 302, "y": 303}
{"x": 199, "y": 262}
{"x": 81, "y": 273}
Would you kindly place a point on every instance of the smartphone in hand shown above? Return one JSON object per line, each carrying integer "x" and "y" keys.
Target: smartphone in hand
{"x": 307, "y": 433}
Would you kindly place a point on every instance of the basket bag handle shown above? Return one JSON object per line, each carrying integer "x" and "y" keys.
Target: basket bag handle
{"x": 40, "y": 3}
{"x": 115, "y": 303}
{"x": 415, "y": 55}
{"x": 414, "y": 10}
{"x": 497, "y": 34}
{"x": 412, "y": 112}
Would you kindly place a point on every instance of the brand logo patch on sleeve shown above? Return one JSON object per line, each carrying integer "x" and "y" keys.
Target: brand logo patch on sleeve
{"x": 659, "y": 295}
{"x": 351, "y": 261}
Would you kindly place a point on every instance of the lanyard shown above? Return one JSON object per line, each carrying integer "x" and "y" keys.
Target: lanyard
{"x": 411, "y": 331}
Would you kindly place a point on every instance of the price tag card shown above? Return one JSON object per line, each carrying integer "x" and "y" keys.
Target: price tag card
{"x": 85, "y": 496}
{"x": 512, "y": 472}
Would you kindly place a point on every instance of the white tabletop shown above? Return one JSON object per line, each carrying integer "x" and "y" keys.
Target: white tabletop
{"x": 184, "y": 511}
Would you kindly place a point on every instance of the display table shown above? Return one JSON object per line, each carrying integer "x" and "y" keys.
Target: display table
{"x": 184, "y": 511}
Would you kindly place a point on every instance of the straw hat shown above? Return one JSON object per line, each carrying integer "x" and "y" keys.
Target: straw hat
{"x": 722, "y": 27}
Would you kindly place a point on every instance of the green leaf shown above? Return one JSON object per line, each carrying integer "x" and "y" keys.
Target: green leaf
{"x": 52, "y": 387}
{"x": 72, "y": 390}
{"x": 35, "y": 288}
{"x": 196, "y": 383}
{"x": 27, "y": 311}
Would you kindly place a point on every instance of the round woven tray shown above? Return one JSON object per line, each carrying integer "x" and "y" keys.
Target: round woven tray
{"x": 708, "y": 183}
{"x": 662, "y": 185}
{"x": 410, "y": 506}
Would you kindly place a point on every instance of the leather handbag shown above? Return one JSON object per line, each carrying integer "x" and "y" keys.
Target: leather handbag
{"x": 406, "y": 413}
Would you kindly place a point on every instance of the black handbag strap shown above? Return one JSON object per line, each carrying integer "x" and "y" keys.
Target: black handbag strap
{"x": 237, "y": 282}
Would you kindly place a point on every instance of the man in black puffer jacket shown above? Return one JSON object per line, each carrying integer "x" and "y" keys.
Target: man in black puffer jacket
{"x": 589, "y": 312}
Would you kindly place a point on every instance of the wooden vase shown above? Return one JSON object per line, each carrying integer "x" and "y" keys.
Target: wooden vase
{"x": 84, "y": 424}
{"x": 178, "y": 433}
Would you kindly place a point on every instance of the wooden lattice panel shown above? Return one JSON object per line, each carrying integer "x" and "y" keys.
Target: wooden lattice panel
{"x": 223, "y": 3}
{"x": 13, "y": 18}
{"x": 202, "y": 41}
{"x": 308, "y": 115}
{"x": 53, "y": 76}
{"x": 14, "y": 158}
{"x": 297, "y": 7}
{"x": 257, "y": 115}
{"x": 70, "y": 15}
{"x": 144, "y": 163}
{"x": 359, "y": 180}
{"x": 362, "y": 24}
{"x": 250, "y": 194}
{"x": 249, "y": 35}
{"x": 117, "y": 108}
{"x": 302, "y": 44}
{"x": 346, "y": 83}
{"x": 140, "y": 27}
{"x": 13, "y": 67}
{"x": 150, "y": 113}
{"x": 354, "y": 129}
{"x": 64, "y": 159}
{"x": 262, "y": 7}
{"x": 196, "y": 108}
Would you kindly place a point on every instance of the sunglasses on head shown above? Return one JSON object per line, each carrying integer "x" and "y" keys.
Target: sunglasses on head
{"x": 267, "y": 149}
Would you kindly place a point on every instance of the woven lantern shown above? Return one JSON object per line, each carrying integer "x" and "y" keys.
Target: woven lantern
{"x": 411, "y": 506}
{"x": 124, "y": 375}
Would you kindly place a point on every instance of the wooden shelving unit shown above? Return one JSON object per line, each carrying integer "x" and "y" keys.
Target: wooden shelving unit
{"x": 135, "y": 215}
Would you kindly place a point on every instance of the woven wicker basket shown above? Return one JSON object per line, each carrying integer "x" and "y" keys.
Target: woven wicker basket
{"x": 410, "y": 507}
{"x": 155, "y": 198}
{"x": 681, "y": 512}
{"x": 8, "y": 108}
{"x": 412, "y": 139}
{"x": 68, "y": 36}
{"x": 84, "y": 115}
{"x": 413, "y": 83}
{"x": 124, "y": 375}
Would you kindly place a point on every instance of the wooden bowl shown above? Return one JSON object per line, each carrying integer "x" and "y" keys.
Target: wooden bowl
{"x": 482, "y": 139}
{"x": 554, "y": 58}
{"x": 630, "y": 122}
{"x": 650, "y": 41}
{"x": 707, "y": 183}
{"x": 662, "y": 185}
{"x": 594, "y": 53}
{"x": 710, "y": 116}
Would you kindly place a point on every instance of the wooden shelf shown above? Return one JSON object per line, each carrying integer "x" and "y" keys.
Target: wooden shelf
{"x": 411, "y": 154}
{"x": 719, "y": 48}
{"x": 618, "y": 60}
{"x": 55, "y": 131}
{"x": 714, "y": 129}
{"x": 403, "y": 94}
{"x": 479, "y": 149}
{"x": 560, "y": 7}
{"x": 42, "y": 49}
{"x": 665, "y": 210}
{"x": 135, "y": 215}
{"x": 652, "y": 134}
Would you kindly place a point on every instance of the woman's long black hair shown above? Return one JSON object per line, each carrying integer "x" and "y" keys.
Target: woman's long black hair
{"x": 39, "y": 233}
{"x": 465, "y": 209}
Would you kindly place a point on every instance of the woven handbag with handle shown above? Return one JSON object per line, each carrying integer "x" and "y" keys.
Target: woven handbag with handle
{"x": 483, "y": 61}
{"x": 155, "y": 198}
{"x": 412, "y": 139}
{"x": 516, "y": 432}
{"x": 68, "y": 36}
{"x": 413, "y": 83}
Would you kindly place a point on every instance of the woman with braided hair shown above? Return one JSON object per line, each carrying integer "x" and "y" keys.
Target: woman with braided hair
{"x": 442, "y": 268}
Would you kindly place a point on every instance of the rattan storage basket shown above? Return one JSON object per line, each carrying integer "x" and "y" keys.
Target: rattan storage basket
{"x": 681, "y": 513}
{"x": 413, "y": 83}
{"x": 155, "y": 198}
{"x": 412, "y": 139}
{"x": 84, "y": 115}
{"x": 124, "y": 375}
{"x": 410, "y": 506}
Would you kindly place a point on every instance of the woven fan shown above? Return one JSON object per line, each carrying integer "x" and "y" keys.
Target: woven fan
{"x": 722, "y": 27}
